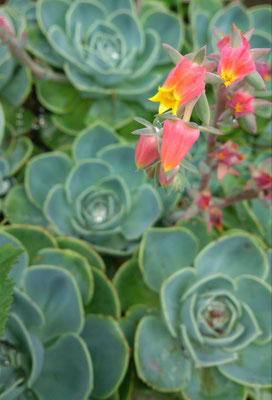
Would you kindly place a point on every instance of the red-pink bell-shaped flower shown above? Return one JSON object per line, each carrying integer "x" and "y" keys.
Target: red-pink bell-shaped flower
{"x": 146, "y": 151}
{"x": 241, "y": 104}
{"x": 177, "y": 139}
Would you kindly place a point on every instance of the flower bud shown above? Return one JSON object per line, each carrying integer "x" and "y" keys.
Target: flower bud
{"x": 177, "y": 139}
{"x": 203, "y": 200}
{"x": 215, "y": 217}
{"x": 162, "y": 176}
{"x": 146, "y": 151}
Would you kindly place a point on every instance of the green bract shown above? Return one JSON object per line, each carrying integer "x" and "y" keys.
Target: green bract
{"x": 15, "y": 80}
{"x": 51, "y": 349}
{"x": 96, "y": 194}
{"x": 214, "y": 338}
{"x": 14, "y": 152}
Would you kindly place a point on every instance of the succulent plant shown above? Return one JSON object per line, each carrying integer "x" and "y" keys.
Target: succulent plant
{"x": 14, "y": 152}
{"x": 61, "y": 338}
{"x": 213, "y": 339}
{"x": 95, "y": 195}
{"x": 15, "y": 80}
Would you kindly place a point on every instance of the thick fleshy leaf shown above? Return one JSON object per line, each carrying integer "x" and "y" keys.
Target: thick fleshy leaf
{"x": 261, "y": 15}
{"x": 159, "y": 359}
{"x": 169, "y": 28}
{"x": 62, "y": 308}
{"x": 131, "y": 287}
{"x": 59, "y": 211}
{"x": 105, "y": 299}
{"x": 22, "y": 261}
{"x": 67, "y": 370}
{"x": 171, "y": 292}
{"x": 199, "y": 228}
{"x": 121, "y": 159}
{"x": 33, "y": 238}
{"x": 75, "y": 121}
{"x": 27, "y": 310}
{"x": 20, "y": 210}
{"x": 164, "y": 252}
{"x": 204, "y": 356}
{"x": 145, "y": 210}
{"x": 43, "y": 172}
{"x": 84, "y": 249}
{"x": 210, "y": 283}
{"x": 92, "y": 140}
{"x": 257, "y": 294}
{"x": 108, "y": 347}
{"x": 17, "y": 90}
{"x": 252, "y": 368}
{"x": 239, "y": 251}
{"x": 50, "y": 13}
{"x": 208, "y": 383}
{"x": 72, "y": 262}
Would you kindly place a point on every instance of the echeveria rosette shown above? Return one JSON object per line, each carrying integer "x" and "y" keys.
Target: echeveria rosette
{"x": 96, "y": 195}
{"x": 60, "y": 332}
{"x": 214, "y": 339}
{"x": 105, "y": 47}
{"x": 15, "y": 80}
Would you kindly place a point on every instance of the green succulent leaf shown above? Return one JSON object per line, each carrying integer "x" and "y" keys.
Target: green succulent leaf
{"x": 159, "y": 359}
{"x": 107, "y": 346}
{"x": 164, "y": 252}
{"x": 17, "y": 90}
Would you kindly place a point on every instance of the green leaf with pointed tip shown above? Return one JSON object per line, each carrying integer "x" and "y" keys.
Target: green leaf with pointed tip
{"x": 108, "y": 347}
{"x": 145, "y": 210}
{"x": 17, "y": 90}
{"x": 253, "y": 367}
{"x": 72, "y": 262}
{"x": 121, "y": 159}
{"x": 82, "y": 248}
{"x": 93, "y": 139}
{"x": 33, "y": 238}
{"x": 169, "y": 28}
{"x": 133, "y": 316}
{"x": 58, "y": 97}
{"x": 171, "y": 292}
{"x": 22, "y": 261}
{"x": 56, "y": 293}
{"x": 67, "y": 370}
{"x": 43, "y": 172}
{"x": 131, "y": 287}
{"x": 105, "y": 299}
{"x": 159, "y": 359}
{"x": 165, "y": 251}
{"x": 209, "y": 384}
{"x": 8, "y": 258}
{"x": 19, "y": 210}
{"x": 240, "y": 252}
{"x": 257, "y": 294}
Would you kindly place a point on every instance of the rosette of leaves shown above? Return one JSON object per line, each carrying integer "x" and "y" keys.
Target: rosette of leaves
{"x": 95, "y": 195}
{"x": 15, "y": 79}
{"x": 14, "y": 152}
{"x": 61, "y": 337}
{"x": 213, "y": 339}
{"x": 107, "y": 51}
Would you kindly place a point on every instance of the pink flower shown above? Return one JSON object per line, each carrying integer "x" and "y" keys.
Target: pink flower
{"x": 163, "y": 179}
{"x": 183, "y": 83}
{"x": 263, "y": 177}
{"x": 235, "y": 64}
{"x": 226, "y": 157}
{"x": 146, "y": 151}
{"x": 177, "y": 139}
{"x": 264, "y": 70}
{"x": 203, "y": 200}
{"x": 241, "y": 103}
{"x": 226, "y": 41}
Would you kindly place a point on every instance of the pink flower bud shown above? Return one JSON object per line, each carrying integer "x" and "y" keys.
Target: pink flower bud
{"x": 5, "y": 25}
{"x": 215, "y": 217}
{"x": 235, "y": 64}
{"x": 241, "y": 103}
{"x": 203, "y": 200}
{"x": 264, "y": 70}
{"x": 146, "y": 151}
{"x": 263, "y": 177}
{"x": 183, "y": 83}
{"x": 164, "y": 181}
{"x": 177, "y": 139}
